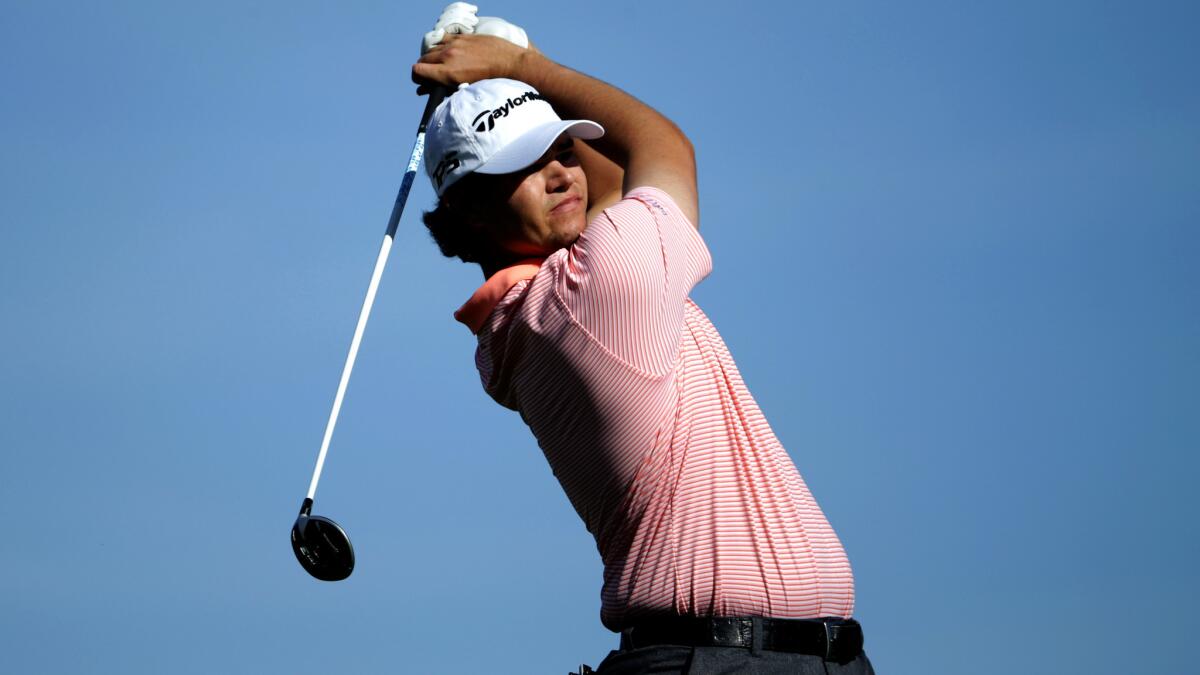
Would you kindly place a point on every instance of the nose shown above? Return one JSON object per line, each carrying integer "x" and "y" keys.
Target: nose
{"x": 558, "y": 177}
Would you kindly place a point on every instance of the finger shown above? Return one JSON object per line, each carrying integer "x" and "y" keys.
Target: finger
{"x": 448, "y": 40}
{"x": 431, "y": 39}
{"x": 428, "y": 74}
{"x": 436, "y": 55}
{"x": 418, "y": 75}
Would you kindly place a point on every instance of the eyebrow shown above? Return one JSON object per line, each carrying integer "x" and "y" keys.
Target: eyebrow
{"x": 563, "y": 143}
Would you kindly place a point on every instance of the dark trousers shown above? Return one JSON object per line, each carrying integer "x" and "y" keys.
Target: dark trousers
{"x": 670, "y": 659}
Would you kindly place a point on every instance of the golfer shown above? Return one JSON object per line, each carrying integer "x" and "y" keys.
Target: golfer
{"x": 579, "y": 204}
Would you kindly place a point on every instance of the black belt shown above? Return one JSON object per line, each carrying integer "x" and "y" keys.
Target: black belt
{"x": 833, "y": 639}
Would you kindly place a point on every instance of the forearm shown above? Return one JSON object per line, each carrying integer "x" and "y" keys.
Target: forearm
{"x": 604, "y": 177}
{"x": 633, "y": 131}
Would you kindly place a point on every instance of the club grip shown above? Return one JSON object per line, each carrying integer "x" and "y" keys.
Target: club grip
{"x": 435, "y": 97}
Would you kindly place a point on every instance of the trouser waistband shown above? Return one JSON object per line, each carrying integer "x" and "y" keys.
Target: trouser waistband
{"x": 832, "y": 638}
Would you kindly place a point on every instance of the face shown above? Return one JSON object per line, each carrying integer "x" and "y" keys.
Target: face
{"x": 535, "y": 211}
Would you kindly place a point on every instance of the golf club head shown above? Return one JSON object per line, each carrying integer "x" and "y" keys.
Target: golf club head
{"x": 321, "y": 546}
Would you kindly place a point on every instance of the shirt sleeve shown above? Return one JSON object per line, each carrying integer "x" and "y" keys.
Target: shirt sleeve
{"x": 627, "y": 278}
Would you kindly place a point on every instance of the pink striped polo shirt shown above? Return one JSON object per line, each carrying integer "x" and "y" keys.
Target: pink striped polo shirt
{"x": 634, "y": 399}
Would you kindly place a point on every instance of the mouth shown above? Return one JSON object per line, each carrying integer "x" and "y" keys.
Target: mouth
{"x": 566, "y": 205}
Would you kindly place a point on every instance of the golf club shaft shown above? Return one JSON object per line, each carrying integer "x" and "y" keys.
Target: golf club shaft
{"x": 414, "y": 163}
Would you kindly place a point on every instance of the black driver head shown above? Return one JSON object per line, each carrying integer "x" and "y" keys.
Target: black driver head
{"x": 321, "y": 546}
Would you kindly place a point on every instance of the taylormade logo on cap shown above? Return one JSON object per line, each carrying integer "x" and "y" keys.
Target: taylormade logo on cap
{"x": 486, "y": 120}
{"x": 449, "y": 163}
{"x": 493, "y": 127}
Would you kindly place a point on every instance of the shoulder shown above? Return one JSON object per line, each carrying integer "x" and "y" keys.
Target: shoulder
{"x": 645, "y": 209}
{"x": 649, "y": 196}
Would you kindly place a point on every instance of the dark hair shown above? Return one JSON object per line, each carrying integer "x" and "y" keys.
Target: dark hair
{"x": 453, "y": 236}
{"x": 450, "y": 221}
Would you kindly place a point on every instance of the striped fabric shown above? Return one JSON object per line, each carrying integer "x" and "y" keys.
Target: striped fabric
{"x": 634, "y": 399}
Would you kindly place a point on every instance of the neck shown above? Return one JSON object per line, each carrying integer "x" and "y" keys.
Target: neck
{"x": 492, "y": 264}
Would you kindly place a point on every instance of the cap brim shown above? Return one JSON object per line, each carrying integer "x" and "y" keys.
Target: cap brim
{"x": 533, "y": 144}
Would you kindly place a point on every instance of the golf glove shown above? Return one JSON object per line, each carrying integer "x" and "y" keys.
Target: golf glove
{"x": 494, "y": 25}
{"x": 459, "y": 17}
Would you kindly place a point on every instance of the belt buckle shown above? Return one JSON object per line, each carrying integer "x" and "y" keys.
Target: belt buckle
{"x": 840, "y": 645}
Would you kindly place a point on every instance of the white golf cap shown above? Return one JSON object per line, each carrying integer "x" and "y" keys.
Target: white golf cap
{"x": 493, "y": 126}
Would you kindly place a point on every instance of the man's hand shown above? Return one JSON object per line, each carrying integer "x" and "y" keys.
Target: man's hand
{"x": 467, "y": 58}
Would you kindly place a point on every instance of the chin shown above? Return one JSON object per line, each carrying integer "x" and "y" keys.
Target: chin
{"x": 568, "y": 233}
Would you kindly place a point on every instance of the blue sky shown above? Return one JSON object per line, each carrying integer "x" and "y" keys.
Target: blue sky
{"x": 954, "y": 256}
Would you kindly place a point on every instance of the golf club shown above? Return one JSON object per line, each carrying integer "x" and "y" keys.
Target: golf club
{"x": 320, "y": 544}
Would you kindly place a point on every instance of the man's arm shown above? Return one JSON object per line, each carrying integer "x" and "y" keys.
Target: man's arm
{"x": 649, "y": 147}
{"x": 604, "y": 178}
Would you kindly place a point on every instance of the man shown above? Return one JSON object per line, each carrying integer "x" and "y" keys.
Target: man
{"x": 716, "y": 557}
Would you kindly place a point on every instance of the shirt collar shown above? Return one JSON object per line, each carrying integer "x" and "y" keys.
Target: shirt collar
{"x": 475, "y": 311}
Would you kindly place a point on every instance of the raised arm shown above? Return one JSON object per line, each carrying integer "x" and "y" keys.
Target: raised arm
{"x": 649, "y": 147}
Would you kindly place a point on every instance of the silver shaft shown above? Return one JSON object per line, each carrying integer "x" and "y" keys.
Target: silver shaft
{"x": 414, "y": 163}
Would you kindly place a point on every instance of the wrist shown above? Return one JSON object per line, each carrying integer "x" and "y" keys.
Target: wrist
{"x": 529, "y": 65}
